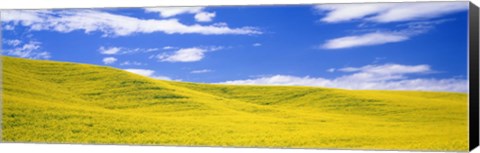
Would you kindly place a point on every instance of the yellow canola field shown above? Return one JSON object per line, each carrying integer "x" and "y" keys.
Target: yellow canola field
{"x": 60, "y": 102}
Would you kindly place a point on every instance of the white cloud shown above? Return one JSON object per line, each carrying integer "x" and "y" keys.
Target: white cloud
{"x": 201, "y": 71}
{"x": 183, "y": 55}
{"x": 389, "y": 69}
{"x": 146, "y": 50}
{"x": 282, "y": 80}
{"x": 109, "y": 51}
{"x": 192, "y": 54}
{"x": 135, "y": 63}
{"x": 166, "y": 12}
{"x": 111, "y": 24}
{"x": 408, "y": 30}
{"x": 109, "y": 60}
{"x": 204, "y": 16}
{"x": 148, "y": 73}
{"x": 381, "y": 77}
{"x": 348, "y": 12}
{"x": 8, "y": 27}
{"x": 169, "y": 47}
{"x": 389, "y": 12}
{"x": 14, "y": 42}
{"x": 122, "y": 50}
{"x": 256, "y": 44}
{"x": 200, "y": 14}
{"x": 384, "y": 72}
{"x": 331, "y": 70}
{"x": 30, "y": 49}
{"x": 369, "y": 39}
{"x": 418, "y": 15}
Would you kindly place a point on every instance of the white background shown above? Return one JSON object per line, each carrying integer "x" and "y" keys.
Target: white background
{"x": 75, "y": 148}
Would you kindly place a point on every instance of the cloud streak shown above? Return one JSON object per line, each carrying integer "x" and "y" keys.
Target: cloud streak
{"x": 256, "y": 44}
{"x": 418, "y": 15}
{"x": 369, "y": 39}
{"x": 388, "y": 12}
{"x": 192, "y": 54}
{"x": 122, "y": 50}
{"x": 201, "y": 71}
{"x": 200, "y": 14}
{"x": 204, "y": 17}
{"x": 109, "y": 60}
{"x": 134, "y": 63}
{"x": 109, "y": 51}
{"x": 408, "y": 30}
{"x": 31, "y": 49}
{"x": 111, "y": 24}
{"x": 166, "y": 12}
{"x": 380, "y": 77}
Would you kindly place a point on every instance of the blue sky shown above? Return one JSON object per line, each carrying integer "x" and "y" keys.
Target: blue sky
{"x": 397, "y": 46}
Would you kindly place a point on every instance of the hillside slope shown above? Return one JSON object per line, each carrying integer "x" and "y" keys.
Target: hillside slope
{"x": 59, "y": 102}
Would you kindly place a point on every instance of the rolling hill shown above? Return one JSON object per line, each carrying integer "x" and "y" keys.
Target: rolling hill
{"x": 60, "y": 102}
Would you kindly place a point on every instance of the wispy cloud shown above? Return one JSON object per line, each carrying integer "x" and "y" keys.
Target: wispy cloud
{"x": 200, "y": 14}
{"x": 382, "y": 77}
{"x": 256, "y": 44}
{"x": 166, "y": 12}
{"x": 132, "y": 63}
{"x": 192, "y": 54}
{"x": 109, "y": 60}
{"x": 123, "y": 50}
{"x": 109, "y": 51}
{"x": 183, "y": 55}
{"x": 169, "y": 47}
{"x": 368, "y": 39}
{"x": 204, "y": 16}
{"x": 30, "y": 49}
{"x": 386, "y": 72}
{"x": 419, "y": 17}
{"x": 389, "y": 69}
{"x": 111, "y": 24}
{"x": 13, "y": 43}
{"x": 331, "y": 70}
{"x": 148, "y": 73}
{"x": 388, "y": 12}
{"x": 406, "y": 31}
{"x": 8, "y": 27}
{"x": 201, "y": 71}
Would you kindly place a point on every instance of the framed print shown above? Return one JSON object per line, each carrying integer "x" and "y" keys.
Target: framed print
{"x": 369, "y": 76}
